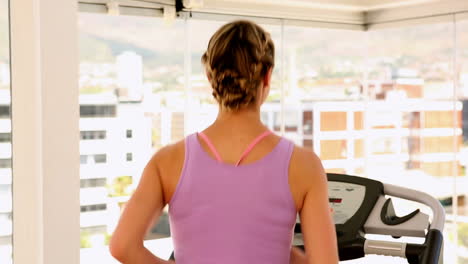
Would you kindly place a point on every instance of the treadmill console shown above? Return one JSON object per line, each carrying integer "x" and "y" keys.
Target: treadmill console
{"x": 359, "y": 207}
{"x": 345, "y": 199}
{"x": 352, "y": 199}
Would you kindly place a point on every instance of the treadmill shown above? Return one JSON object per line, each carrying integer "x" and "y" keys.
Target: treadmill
{"x": 360, "y": 207}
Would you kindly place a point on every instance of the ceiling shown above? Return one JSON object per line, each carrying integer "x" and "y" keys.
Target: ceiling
{"x": 351, "y": 14}
{"x": 349, "y": 5}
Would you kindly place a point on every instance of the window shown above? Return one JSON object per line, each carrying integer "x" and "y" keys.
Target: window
{"x": 94, "y": 229}
{"x": 462, "y": 122}
{"x": 323, "y": 75}
{"x": 465, "y": 120}
{"x": 5, "y": 137}
{"x": 4, "y": 111}
{"x": 115, "y": 71}
{"x": 91, "y": 135}
{"x": 98, "y": 110}
{"x": 5, "y": 216}
{"x": 83, "y": 159}
{"x": 363, "y": 106}
{"x": 5, "y": 163}
{"x": 93, "y": 159}
{"x": 100, "y": 158}
{"x": 90, "y": 183}
{"x": 307, "y": 122}
{"x": 291, "y": 120}
{"x": 94, "y": 207}
{"x": 413, "y": 133}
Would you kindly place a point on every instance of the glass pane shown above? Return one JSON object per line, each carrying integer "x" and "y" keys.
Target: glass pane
{"x": 6, "y": 223}
{"x": 381, "y": 107}
{"x": 412, "y": 134}
{"x": 323, "y": 88}
{"x": 131, "y": 103}
{"x": 270, "y": 109}
{"x": 462, "y": 179}
{"x": 203, "y": 108}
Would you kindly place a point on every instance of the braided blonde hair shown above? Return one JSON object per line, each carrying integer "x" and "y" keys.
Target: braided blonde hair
{"x": 238, "y": 57}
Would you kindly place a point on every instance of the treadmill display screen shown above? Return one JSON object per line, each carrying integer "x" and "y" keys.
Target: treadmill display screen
{"x": 335, "y": 200}
{"x": 345, "y": 199}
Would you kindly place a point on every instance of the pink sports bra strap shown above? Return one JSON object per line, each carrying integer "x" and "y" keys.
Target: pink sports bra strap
{"x": 252, "y": 145}
{"x": 210, "y": 145}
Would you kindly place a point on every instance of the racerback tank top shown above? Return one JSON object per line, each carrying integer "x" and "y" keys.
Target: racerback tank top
{"x": 222, "y": 213}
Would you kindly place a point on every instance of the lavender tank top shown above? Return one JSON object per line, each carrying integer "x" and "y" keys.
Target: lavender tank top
{"x": 222, "y": 213}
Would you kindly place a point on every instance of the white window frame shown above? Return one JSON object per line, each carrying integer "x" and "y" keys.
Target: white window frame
{"x": 45, "y": 116}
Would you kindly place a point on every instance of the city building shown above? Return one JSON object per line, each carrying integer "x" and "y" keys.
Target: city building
{"x": 130, "y": 76}
{"x": 114, "y": 148}
{"x": 115, "y": 144}
{"x": 5, "y": 171}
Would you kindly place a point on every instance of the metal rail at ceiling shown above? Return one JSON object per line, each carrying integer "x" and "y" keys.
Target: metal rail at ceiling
{"x": 430, "y": 12}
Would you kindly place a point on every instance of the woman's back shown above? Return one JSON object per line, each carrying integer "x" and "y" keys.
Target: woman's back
{"x": 223, "y": 213}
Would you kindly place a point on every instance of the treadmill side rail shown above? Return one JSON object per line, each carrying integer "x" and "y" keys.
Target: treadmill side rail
{"x": 414, "y": 227}
{"x": 386, "y": 248}
{"x": 434, "y": 244}
{"x": 421, "y": 197}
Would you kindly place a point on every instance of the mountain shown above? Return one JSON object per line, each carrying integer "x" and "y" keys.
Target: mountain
{"x": 103, "y": 37}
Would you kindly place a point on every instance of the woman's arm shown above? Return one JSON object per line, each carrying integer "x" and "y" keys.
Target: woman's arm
{"x": 317, "y": 225}
{"x": 143, "y": 208}
{"x": 298, "y": 256}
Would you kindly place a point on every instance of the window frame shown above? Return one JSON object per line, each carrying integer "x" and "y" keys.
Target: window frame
{"x": 47, "y": 185}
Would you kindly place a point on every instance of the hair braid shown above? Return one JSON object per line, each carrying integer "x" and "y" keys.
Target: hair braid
{"x": 237, "y": 58}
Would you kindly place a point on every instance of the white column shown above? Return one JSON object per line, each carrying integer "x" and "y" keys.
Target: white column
{"x": 44, "y": 61}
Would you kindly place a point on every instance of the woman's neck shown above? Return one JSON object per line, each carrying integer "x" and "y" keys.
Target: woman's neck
{"x": 240, "y": 120}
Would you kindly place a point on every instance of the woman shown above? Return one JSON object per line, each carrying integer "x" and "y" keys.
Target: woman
{"x": 234, "y": 189}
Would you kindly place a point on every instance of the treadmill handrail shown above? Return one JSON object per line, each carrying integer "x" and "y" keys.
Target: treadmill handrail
{"x": 385, "y": 248}
{"x": 438, "y": 220}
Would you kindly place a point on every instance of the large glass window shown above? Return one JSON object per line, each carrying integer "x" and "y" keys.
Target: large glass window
{"x": 203, "y": 109}
{"x": 131, "y": 103}
{"x": 6, "y": 224}
{"x": 410, "y": 116}
{"x": 462, "y": 124}
{"x": 324, "y": 71}
{"x": 379, "y": 104}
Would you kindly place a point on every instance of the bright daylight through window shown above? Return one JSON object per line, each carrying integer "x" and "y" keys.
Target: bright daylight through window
{"x": 380, "y": 104}
{"x": 6, "y": 218}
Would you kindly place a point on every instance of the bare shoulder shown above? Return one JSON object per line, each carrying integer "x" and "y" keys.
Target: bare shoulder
{"x": 168, "y": 153}
{"x": 305, "y": 163}
{"x": 306, "y": 174}
{"x": 168, "y": 162}
{"x": 301, "y": 154}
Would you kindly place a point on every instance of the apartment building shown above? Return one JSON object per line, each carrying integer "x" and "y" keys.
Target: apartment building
{"x": 5, "y": 171}
{"x": 115, "y": 144}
